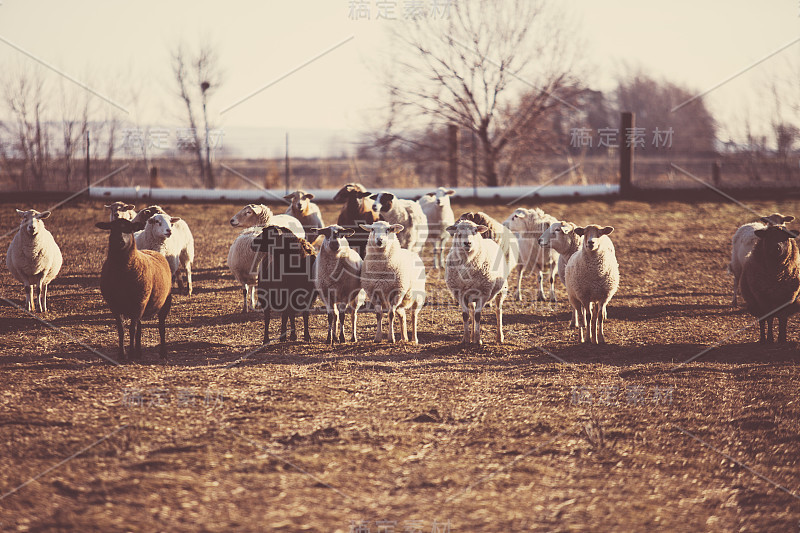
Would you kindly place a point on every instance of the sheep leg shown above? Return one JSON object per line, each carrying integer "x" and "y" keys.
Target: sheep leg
{"x": 553, "y": 285}
{"x": 401, "y": 314}
{"x": 414, "y": 316}
{"x": 353, "y": 318}
{"x": 770, "y": 339}
{"x": 330, "y": 338}
{"x": 29, "y": 304}
{"x": 292, "y": 319}
{"x": 540, "y": 296}
{"x": 476, "y": 325}
{"x": 582, "y": 322}
{"x": 266, "y": 323}
{"x": 520, "y": 269}
{"x": 132, "y": 332}
{"x": 762, "y": 324}
{"x": 594, "y": 319}
{"x": 188, "y": 267}
{"x": 735, "y": 289}
{"x": 390, "y": 316}
{"x": 306, "y": 335}
{"x": 782, "y": 320}
{"x": 601, "y": 339}
{"x": 379, "y": 318}
{"x": 121, "y": 334}
{"x": 139, "y": 339}
{"x": 246, "y": 295}
{"x": 43, "y": 296}
{"x": 162, "y": 327}
{"x": 498, "y": 313}
{"x": 467, "y": 333}
{"x": 340, "y": 316}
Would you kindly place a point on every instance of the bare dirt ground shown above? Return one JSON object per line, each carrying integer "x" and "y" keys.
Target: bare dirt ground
{"x": 540, "y": 433}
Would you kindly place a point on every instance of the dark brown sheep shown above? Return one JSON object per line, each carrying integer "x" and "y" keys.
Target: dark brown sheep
{"x": 135, "y": 284}
{"x": 286, "y": 278}
{"x": 770, "y": 280}
{"x": 354, "y": 213}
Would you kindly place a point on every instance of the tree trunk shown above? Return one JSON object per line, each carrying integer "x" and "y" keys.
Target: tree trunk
{"x": 489, "y": 161}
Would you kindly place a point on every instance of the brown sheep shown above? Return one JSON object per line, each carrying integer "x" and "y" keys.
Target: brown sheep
{"x": 135, "y": 284}
{"x": 354, "y": 213}
{"x": 770, "y": 280}
{"x": 286, "y": 278}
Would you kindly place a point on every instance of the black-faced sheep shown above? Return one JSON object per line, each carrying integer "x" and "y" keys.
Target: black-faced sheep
{"x": 357, "y": 210}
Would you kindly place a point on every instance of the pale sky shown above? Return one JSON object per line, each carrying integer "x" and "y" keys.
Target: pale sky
{"x": 108, "y": 44}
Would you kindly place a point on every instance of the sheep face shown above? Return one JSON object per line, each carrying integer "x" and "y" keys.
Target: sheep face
{"x": 442, "y": 196}
{"x": 161, "y": 225}
{"x": 144, "y": 215}
{"x": 382, "y": 202}
{"x": 121, "y": 232}
{"x": 382, "y": 233}
{"x": 300, "y": 200}
{"x": 250, "y": 216}
{"x": 775, "y": 239}
{"x": 592, "y": 235}
{"x": 121, "y": 210}
{"x": 557, "y": 232}
{"x": 31, "y": 221}
{"x": 776, "y": 219}
{"x": 466, "y": 235}
{"x": 335, "y": 237}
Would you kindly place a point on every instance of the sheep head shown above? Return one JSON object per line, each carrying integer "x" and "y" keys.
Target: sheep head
{"x": 382, "y": 233}
{"x": 31, "y": 221}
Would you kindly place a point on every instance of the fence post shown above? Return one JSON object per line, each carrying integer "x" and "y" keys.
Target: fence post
{"x": 88, "y": 169}
{"x": 626, "y": 149}
{"x": 452, "y": 153}
{"x": 716, "y": 173}
{"x": 474, "y": 167}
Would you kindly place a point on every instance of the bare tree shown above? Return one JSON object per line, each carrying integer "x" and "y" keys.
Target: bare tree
{"x": 466, "y": 68}
{"x": 74, "y": 122}
{"x": 25, "y": 98}
{"x": 198, "y": 77}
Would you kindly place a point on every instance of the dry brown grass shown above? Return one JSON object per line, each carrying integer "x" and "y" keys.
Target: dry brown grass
{"x": 538, "y": 434}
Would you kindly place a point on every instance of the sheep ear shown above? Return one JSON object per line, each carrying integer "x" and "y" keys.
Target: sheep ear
{"x": 449, "y": 192}
{"x": 289, "y": 196}
{"x": 103, "y": 225}
{"x": 579, "y": 231}
{"x": 607, "y": 230}
{"x": 362, "y": 194}
{"x": 174, "y": 220}
{"x": 324, "y": 231}
{"x": 43, "y": 215}
{"x": 451, "y": 229}
{"x": 372, "y": 196}
{"x": 308, "y": 196}
{"x": 520, "y": 214}
{"x": 107, "y": 206}
{"x": 760, "y": 233}
{"x": 21, "y": 213}
{"x": 396, "y": 228}
{"x": 129, "y": 207}
{"x": 766, "y": 220}
{"x": 481, "y": 229}
{"x": 366, "y": 227}
{"x": 564, "y": 229}
{"x": 430, "y": 194}
{"x": 388, "y": 196}
{"x": 348, "y": 232}
{"x": 788, "y": 218}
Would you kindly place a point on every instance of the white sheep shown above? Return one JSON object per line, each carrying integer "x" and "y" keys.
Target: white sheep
{"x": 34, "y": 258}
{"x": 503, "y": 237}
{"x": 743, "y": 242}
{"x": 476, "y": 272}
{"x": 561, "y": 237}
{"x": 408, "y": 214}
{"x": 243, "y": 261}
{"x": 528, "y": 225}
{"x": 436, "y": 206}
{"x": 337, "y": 279}
{"x": 592, "y": 279}
{"x": 171, "y": 237}
{"x": 393, "y": 278}
{"x": 121, "y": 210}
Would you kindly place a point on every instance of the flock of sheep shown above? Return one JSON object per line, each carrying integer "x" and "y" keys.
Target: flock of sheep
{"x": 372, "y": 254}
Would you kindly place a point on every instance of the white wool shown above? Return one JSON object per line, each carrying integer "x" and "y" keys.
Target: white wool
{"x": 592, "y": 279}
{"x": 392, "y": 277}
{"x": 338, "y": 280}
{"x": 34, "y": 258}
{"x": 437, "y": 209}
{"x": 171, "y": 237}
{"x": 561, "y": 237}
{"x": 476, "y": 273}
{"x": 528, "y": 225}
{"x": 407, "y": 213}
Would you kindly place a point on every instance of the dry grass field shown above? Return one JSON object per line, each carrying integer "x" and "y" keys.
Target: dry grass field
{"x": 540, "y": 433}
